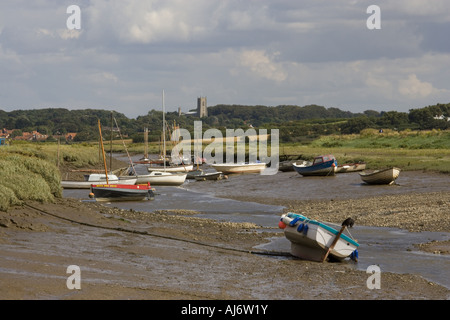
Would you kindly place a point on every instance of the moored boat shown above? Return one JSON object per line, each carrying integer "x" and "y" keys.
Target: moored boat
{"x": 209, "y": 176}
{"x": 95, "y": 178}
{"x": 384, "y": 176}
{"x": 227, "y": 168}
{"x": 162, "y": 178}
{"x": 317, "y": 241}
{"x": 121, "y": 192}
{"x": 351, "y": 167}
{"x": 178, "y": 168}
{"x": 321, "y": 166}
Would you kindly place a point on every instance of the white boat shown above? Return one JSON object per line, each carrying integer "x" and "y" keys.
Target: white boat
{"x": 95, "y": 178}
{"x": 162, "y": 178}
{"x": 385, "y": 176}
{"x": 227, "y": 168}
{"x": 351, "y": 167}
{"x": 314, "y": 240}
{"x": 182, "y": 168}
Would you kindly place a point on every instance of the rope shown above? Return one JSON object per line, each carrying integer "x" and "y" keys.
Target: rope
{"x": 145, "y": 233}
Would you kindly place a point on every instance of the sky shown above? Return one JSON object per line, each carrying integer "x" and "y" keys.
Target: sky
{"x": 123, "y": 54}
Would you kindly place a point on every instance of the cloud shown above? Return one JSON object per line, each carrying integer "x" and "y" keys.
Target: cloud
{"x": 414, "y": 88}
{"x": 262, "y": 65}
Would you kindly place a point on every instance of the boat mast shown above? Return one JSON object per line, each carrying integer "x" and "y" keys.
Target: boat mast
{"x": 164, "y": 132}
{"x": 103, "y": 151}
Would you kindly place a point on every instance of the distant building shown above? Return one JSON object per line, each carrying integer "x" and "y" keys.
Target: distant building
{"x": 202, "y": 110}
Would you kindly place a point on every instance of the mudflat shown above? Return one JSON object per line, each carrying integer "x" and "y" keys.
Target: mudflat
{"x": 170, "y": 255}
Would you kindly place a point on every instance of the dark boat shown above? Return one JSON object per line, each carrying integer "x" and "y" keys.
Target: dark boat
{"x": 121, "y": 192}
{"x": 322, "y": 166}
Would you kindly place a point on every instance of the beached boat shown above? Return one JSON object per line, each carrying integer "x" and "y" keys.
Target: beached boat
{"x": 321, "y": 166}
{"x": 209, "y": 176}
{"x": 121, "y": 192}
{"x": 180, "y": 168}
{"x": 162, "y": 178}
{"x": 227, "y": 168}
{"x": 95, "y": 178}
{"x": 192, "y": 174}
{"x": 384, "y": 176}
{"x": 287, "y": 166}
{"x": 317, "y": 241}
{"x": 351, "y": 167}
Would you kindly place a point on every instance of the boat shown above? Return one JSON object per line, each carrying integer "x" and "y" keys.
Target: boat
{"x": 95, "y": 178}
{"x": 287, "y": 166}
{"x": 317, "y": 241}
{"x": 209, "y": 176}
{"x": 351, "y": 167}
{"x": 180, "y": 168}
{"x": 227, "y": 168}
{"x": 321, "y": 166}
{"x": 162, "y": 178}
{"x": 383, "y": 176}
{"x": 121, "y": 192}
{"x": 192, "y": 174}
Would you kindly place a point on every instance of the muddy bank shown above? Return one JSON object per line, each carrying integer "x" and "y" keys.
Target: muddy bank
{"x": 126, "y": 254}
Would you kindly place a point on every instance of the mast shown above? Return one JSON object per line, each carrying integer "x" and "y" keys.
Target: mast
{"x": 164, "y": 132}
{"x": 103, "y": 151}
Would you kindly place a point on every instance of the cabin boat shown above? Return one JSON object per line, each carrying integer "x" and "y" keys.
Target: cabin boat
{"x": 325, "y": 165}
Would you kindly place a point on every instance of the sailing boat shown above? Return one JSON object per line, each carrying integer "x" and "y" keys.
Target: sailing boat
{"x": 119, "y": 192}
{"x": 161, "y": 175}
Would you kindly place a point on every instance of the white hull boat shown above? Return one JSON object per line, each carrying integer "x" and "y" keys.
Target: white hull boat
{"x": 95, "y": 179}
{"x": 385, "y": 176}
{"x": 162, "y": 178}
{"x": 228, "y": 168}
{"x": 312, "y": 240}
{"x": 185, "y": 168}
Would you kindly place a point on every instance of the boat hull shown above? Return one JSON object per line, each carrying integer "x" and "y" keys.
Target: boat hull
{"x": 351, "y": 167}
{"x": 229, "y": 168}
{"x": 96, "y": 179}
{"x": 310, "y": 239}
{"x": 385, "y": 176}
{"x": 209, "y": 176}
{"x": 324, "y": 169}
{"x": 121, "y": 192}
{"x": 185, "y": 168}
{"x": 160, "y": 178}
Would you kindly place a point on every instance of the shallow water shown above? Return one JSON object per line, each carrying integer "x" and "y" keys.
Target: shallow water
{"x": 391, "y": 249}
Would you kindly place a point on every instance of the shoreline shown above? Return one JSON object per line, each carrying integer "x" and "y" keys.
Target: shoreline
{"x": 168, "y": 254}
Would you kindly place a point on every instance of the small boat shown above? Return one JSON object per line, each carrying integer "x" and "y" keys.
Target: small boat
{"x": 180, "y": 168}
{"x": 94, "y": 178}
{"x": 287, "y": 166}
{"x": 253, "y": 167}
{"x": 121, "y": 192}
{"x": 321, "y": 166}
{"x": 384, "y": 176}
{"x": 209, "y": 176}
{"x": 162, "y": 178}
{"x": 316, "y": 241}
{"x": 351, "y": 167}
{"x": 194, "y": 173}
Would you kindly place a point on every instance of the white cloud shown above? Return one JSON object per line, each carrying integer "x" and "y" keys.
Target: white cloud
{"x": 262, "y": 65}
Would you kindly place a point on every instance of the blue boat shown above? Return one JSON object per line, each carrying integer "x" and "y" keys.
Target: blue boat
{"x": 325, "y": 165}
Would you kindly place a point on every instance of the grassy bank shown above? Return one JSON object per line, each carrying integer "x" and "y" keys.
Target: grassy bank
{"x": 409, "y": 150}
{"x": 25, "y": 176}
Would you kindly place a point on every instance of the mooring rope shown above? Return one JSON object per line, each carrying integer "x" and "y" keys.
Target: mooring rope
{"x": 146, "y": 233}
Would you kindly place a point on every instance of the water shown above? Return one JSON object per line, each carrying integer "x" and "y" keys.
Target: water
{"x": 391, "y": 249}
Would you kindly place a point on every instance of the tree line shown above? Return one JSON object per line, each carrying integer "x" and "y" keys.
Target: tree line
{"x": 294, "y": 122}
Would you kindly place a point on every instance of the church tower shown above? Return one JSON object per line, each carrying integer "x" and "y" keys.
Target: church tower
{"x": 202, "y": 110}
